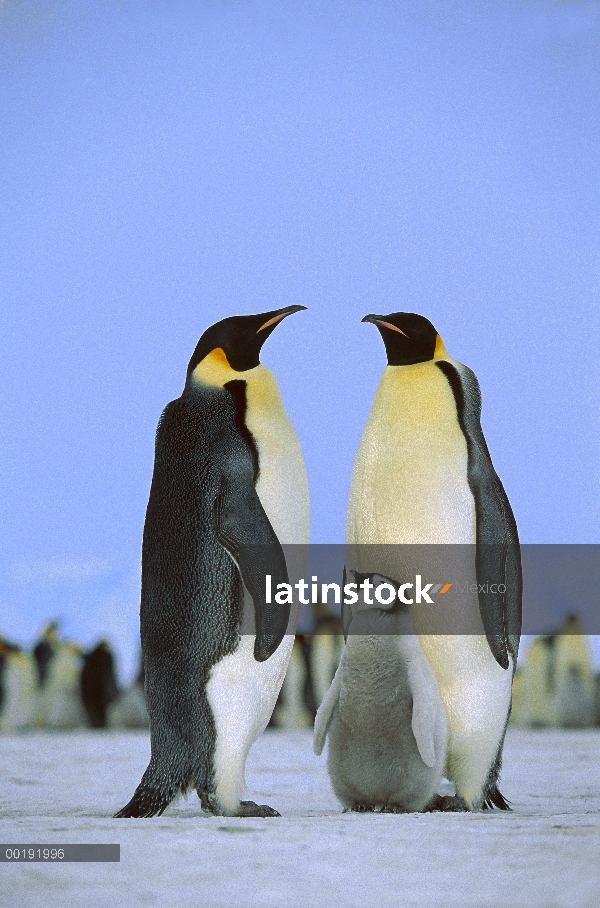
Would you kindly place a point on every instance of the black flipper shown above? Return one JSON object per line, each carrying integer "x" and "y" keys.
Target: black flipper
{"x": 244, "y": 530}
{"x": 498, "y": 558}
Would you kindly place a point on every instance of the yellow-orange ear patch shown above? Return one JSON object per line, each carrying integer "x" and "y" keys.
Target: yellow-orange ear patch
{"x": 218, "y": 357}
{"x": 214, "y": 369}
{"x": 440, "y": 351}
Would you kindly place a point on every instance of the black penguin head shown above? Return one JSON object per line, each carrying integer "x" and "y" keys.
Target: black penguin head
{"x": 409, "y": 338}
{"x": 240, "y": 337}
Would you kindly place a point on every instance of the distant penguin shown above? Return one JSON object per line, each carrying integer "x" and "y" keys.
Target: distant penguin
{"x": 556, "y": 683}
{"x": 129, "y": 708}
{"x": 383, "y": 713}
{"x": 18, "y": 688}
{"x": 58, "y": 662}
{"x": 534, "y": 688}
{"x": 99, "y": 686}
{"x": 423, "y": 475}
{"x": 295, "y": 705}
{"x": 59, "y": 705}
{"x": 45, "y": 649}
{"x": 574, "y": 683}
{"x": 229, "y": 489}
{"x": 5, "y": 649}
{"x": 312, "y": 665}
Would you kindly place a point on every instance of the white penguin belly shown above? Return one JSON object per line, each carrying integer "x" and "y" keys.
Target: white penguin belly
{"x": 241, "y": 691}
{"x": 410, "y": 486}
{"x": 476, "y": 693}
{"x": 242, "y": 694}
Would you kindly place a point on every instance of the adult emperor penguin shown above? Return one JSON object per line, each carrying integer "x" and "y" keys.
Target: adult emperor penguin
{"x": 383, "y": 712}
{"x": 229, "y": 489}
{"x": 423, "y": 474}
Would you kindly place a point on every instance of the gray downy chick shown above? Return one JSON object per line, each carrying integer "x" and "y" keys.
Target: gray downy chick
{"x": 383, "y": 713}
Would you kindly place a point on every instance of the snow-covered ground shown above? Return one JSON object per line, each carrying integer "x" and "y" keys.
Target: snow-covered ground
{"x": 60, "y": 788}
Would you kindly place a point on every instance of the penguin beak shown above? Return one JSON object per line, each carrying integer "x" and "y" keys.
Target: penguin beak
{"x": 377, "y": 320}
{"x": 279, "y": 316}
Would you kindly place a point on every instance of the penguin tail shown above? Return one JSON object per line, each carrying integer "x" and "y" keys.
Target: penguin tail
{"x": 151, "y": 798}
{"x": 494, "y": 798}
{"x": 146, "y": 802}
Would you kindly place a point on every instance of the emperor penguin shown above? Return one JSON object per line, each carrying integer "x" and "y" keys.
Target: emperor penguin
{"x": 422, "y": 479}
{"x": 45, "y": 650}
{"x": 573, "y": 677}
{"x": 18, "y": 688}
{"x": 229, "y": 489}
{"x": 557, "y": 685}
{"x": 129, "y": 708}
{"x": 99, "y": 687}
{"x": 383, "y": 713}
{"x": 59, "y": 705}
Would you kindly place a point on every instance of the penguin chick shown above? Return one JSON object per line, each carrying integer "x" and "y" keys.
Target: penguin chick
{"x": 383, "y": 714}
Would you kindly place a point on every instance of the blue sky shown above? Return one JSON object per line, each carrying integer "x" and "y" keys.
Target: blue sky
{"x": 165, "y": 165}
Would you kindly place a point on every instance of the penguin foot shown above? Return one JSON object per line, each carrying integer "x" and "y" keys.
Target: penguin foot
{"x": 206, "y": 802}
{"x": 377, "y": 808}
{"x": 374, "y": 808}
{"x": 209, "y": 805}
{"x": 446, "y": 804}
{"x": 250, "y": 809}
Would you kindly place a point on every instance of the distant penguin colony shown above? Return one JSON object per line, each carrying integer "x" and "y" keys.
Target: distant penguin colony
{"x": 423, "y": 475}
{"x": 383, "y": 715}
{"x": 228, "y": 490}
